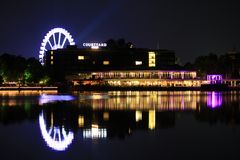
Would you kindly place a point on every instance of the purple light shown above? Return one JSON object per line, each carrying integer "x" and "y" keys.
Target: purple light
{"x": 214, "y": 78}
{"x": 53, "y": 98}
{"x": 214, "y": 99}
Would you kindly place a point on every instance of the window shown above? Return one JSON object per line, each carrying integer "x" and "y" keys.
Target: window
{"x": 80, "y": 57}
{"x": 51, "y": 52}
{"x": 51, "y": 62}
{"x": 51, "y": 57}
{"x": 138, "y": 63}
{"x": 151, "y": 59}
{"x": 106, "y": 62}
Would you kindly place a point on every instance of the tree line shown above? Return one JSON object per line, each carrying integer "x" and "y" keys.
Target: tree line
{"x": 22, "y": 71}
{"x": 214, "y": 64}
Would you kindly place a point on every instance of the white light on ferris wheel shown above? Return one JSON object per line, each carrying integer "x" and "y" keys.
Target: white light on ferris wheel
{"x": 56, "y": 38}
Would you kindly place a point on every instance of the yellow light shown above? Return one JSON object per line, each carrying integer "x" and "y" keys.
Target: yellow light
{"x": 51, "y": 57}
{"x": 106, "y": 62}
{"x": 151, "y": 59}
{"x": 151, "y": 119}
{"x": 80, "y": 121}
{"x": 51, "y": 62}
{"x": 138, "y": 116}
{"x": 80, "y": 57}
{"x": 106, "y": 116}
{"x": 52, "y": 120}
{"x": 51, "y": 52}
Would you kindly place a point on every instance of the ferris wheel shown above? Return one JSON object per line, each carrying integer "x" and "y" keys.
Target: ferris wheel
{"x": 55, "y": 39}
{"x": 56, "y": 137}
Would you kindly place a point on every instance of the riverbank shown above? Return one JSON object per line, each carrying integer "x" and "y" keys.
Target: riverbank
{"x": 27, "y": 88}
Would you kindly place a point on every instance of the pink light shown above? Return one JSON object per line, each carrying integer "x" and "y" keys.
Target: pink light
{"x": 214, "y": 99}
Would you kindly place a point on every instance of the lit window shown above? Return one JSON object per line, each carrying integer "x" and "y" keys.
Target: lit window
{"x": 137, "y": 63}
{"x": 106, "y": 62}
{"x": 51, "y": 52}
{"x": 51, "y": 57}
{"x": 151, "y": 59}
{"x": 51, "y": 62}
{"x": 80, "y": 57}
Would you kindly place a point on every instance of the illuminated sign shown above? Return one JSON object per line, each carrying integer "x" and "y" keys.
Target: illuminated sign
{"x": 94, "y": 45}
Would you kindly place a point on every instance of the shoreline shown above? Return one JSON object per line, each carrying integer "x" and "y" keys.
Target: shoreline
{"x": 27, "y": 88}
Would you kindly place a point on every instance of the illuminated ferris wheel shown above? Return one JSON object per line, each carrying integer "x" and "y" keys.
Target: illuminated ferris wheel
{"x": 55, "y": 39}
{"x": 56, "y": 137}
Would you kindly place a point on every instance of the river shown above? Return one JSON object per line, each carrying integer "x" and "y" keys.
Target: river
{"x": 120, "y": 125}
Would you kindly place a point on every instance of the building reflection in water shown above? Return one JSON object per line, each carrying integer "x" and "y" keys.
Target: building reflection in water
{"x": 138, "y": 116}
{"x": 137, "y": 100}
{"x": 151, "y": 119}
{"x": 95, "y": 132}
{"x": 117, "y": 114}
{"x": 214, "y": 99}
{"x": 56, "y": 137}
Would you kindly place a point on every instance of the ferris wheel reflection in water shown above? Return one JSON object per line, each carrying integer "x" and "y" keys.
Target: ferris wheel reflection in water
{"x": 56, "y": 138}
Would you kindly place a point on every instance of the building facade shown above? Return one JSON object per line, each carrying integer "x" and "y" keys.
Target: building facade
{"x": 120, "y": 67}
{"x": 75, "y": 60}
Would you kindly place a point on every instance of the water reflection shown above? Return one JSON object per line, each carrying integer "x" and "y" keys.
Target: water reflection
{"x": 214, "y": 99}
{"x": 95, "y": 132}
{"x": 95, "y": 116}
{"x": 44, "y": 98}
{"x": 56, "y": 137}
{"x": 120, "y": 100}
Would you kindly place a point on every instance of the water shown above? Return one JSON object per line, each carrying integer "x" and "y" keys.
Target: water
{"x": 120, "y": 125}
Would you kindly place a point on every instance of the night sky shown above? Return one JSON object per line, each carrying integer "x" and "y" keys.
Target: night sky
{"x": 189, "y": 27}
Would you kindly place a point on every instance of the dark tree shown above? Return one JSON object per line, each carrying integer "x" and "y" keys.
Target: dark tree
{"x": 1, "y": 80}
{"x": 34, "y": 71}
{"x": 118, "y": 44}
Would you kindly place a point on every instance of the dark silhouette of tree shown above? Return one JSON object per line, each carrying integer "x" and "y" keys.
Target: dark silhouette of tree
{"x": 1, "y": 80}
{"x": 12, "y": 67}
{"x": 19, "y": 69}
{"x": 34, "y": 71}
{"x": 118, "y": 44}
{"x": 212, "y": 64}
{"x": 225, "y": 66}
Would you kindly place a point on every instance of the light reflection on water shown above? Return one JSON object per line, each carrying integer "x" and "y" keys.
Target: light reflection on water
{"x": 101, "y": 115}
{"x": 214, "y": 99}
{"x": 132, "y": 100}
{"x": 56, "y": 137}
{"x": 44, "y": 98}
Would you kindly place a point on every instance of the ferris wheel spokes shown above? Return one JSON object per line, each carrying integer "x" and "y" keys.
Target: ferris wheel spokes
{"x": 59, "y": 39}
{"x": 63, "y": 42}
{"x": 53, "y": 41}
{"x": 50, "y": 44}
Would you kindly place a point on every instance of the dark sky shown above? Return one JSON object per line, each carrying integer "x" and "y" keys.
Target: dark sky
{"x": 190, "y": 27}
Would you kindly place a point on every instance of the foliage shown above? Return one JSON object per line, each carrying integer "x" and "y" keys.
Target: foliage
{"x": 118, "y": 44}
{"x": 1, "y": 80}
{"x": 21, "y": 70}
{"x": 211, "y": 64}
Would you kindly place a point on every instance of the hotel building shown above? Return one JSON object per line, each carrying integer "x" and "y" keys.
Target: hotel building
{"x": 120, "y": 67}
